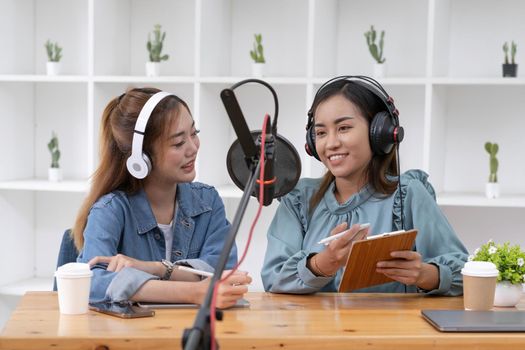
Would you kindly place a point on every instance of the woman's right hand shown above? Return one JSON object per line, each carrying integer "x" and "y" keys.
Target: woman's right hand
{"x": 229, "y": 291}
{"x": 335, "y": 255}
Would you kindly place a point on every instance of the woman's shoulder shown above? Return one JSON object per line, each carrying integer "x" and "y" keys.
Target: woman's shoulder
{"x": 112, "y": 199}
{"x": 416, "y": 181}
{"x": 305, "y": 188}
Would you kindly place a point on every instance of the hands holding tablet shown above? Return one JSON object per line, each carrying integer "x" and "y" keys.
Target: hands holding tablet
{"x": 334, "y": 256}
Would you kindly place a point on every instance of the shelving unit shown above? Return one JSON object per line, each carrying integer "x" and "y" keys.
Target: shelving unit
{"x": 444, "y": 60}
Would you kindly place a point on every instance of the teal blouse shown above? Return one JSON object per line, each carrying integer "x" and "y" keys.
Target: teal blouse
{"x": 293, "y": 234}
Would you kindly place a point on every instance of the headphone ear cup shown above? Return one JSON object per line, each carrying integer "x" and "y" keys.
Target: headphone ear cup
{"x": 139, "y": 167}
{"x": 310, "y": 143}
{"x": 382, "y": 133}
{"x": 147, "y": 161}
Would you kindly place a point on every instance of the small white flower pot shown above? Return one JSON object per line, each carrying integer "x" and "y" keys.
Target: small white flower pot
{"x": 379, "y": 70}
{"x": 492, "y": 189}
{"x": 54, "y": 174}
{"x": 152, "y": 69}
{"x": 507, "y": 294}
{"x": 53, "y": 68}
{"x": 258, "y": 70}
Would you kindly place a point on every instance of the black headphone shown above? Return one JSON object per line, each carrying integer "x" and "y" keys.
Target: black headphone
{"x": 385, "y": 131}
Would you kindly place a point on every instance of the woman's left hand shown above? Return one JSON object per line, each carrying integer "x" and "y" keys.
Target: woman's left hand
{"x": 407, "y": 268}
{"x": 118, "y": 262}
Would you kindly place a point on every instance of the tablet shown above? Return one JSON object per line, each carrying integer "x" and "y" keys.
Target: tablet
{"x": 241, "y": 303}
{"x": 475, "y": 321}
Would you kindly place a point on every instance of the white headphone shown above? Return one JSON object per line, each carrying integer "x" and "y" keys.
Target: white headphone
{"x": 138, "y": 163}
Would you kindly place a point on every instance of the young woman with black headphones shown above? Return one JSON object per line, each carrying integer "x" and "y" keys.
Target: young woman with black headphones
{"x": 353, "y": 129}
{"x": 144, "y": 216}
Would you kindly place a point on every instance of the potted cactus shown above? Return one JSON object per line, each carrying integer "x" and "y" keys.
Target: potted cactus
{"x": 510, "y": 68}
{"x": 54, "y": 54}
{"x": 492, "y": 187}
{"x": 257, "y": 55}
{"x": 54, "y": 171}
{"x": 376, "y": 50}
{"x": 155, "y": 51}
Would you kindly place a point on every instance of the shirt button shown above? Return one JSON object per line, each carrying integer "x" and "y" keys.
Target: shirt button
{"x": 157, "y": 236}
{"x": 178, "y": 253}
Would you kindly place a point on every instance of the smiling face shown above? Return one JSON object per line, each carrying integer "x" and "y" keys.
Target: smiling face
{"x": 342, "y": 138}
{"x": 176, "y": 158}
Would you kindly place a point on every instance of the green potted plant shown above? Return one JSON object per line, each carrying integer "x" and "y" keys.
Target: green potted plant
{"x": 376, "y": 50}
{"x": 492, "y": 186}
{"x": 54, "y": 171}
{"x": 155, "y": 47}
{"x": 257, "y": 55}
{"x": 510, "y": 261}
{"x": 510, "y": 68}
{"x": 54, "y": 54}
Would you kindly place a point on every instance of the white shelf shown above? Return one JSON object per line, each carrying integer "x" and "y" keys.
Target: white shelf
{"x": 45, "y": 185}
{"x": 34, "y": 78}
{"x": 28, "y": 285}
{"x": 270, "y": 80}
{"x": 478, "y": 81}
{"x": 142, "y": 79}
{"x": 479, "y": 200}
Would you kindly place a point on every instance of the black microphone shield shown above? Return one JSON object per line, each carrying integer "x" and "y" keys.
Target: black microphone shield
{"x": 286, "y": 168}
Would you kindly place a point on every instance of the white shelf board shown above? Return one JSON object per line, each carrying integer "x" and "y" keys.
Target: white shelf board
{"x": 142, "y": 79}
{"x": 79, "y": 186}
{"x": 229, "y": 191}
{"x": 478, "y": 81}
{"x": 270, "y": 80}
{"x": 384, "y": 81}
{"x": 479, "y": 200}
{"x": 34, "y": 78}
{"x": 27, "y": 285}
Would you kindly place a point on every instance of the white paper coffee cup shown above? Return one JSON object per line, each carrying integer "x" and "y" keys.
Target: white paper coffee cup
{"x": 479, "y": 285}
{"x": 73, "y": 284}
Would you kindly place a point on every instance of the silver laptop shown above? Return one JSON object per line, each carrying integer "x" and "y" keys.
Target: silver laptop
{"x": 475, "y": 321}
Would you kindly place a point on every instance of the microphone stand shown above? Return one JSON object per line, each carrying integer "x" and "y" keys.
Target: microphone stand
{"x": 199, "y": 337}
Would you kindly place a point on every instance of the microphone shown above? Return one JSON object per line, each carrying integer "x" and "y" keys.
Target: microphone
{"x": 269, "y": 174}
{"x": 282, "y": 162}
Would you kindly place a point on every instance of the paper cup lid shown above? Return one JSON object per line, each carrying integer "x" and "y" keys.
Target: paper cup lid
{"x": 480, "y": 269}
{"x": 74, "y": 270}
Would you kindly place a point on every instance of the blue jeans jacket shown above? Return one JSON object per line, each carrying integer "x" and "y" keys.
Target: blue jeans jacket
{"x": 120, "y": 223}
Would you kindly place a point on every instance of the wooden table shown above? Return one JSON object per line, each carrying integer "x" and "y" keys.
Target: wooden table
{"x": 321, "y": 321}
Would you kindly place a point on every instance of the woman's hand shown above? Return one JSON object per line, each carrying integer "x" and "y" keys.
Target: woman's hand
{"x": 229, "y": 291}
{"x": 118, "y": 262}
{"x": 335, "y": 255}
{"x": 407, "y": 268}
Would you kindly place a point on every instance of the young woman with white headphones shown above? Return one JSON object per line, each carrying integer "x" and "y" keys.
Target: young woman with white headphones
{"x": 143, "y": 216}
{"x": 353, "y": 129}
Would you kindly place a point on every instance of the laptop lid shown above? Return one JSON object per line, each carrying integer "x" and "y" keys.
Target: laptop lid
{"x": 475, "y": 321}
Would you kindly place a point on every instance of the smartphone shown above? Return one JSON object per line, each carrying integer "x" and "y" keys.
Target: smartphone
{"x": 122, "y": 310}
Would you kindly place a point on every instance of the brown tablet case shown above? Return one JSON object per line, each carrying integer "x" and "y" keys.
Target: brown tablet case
{"x": 360, "y": 271}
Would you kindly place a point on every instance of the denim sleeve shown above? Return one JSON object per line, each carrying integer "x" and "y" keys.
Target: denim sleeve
{"x": 436, "y": 241}
{"x": 217, "y": 232}
{"x": 101, "y": 238}
{"x": 284, "y": 269}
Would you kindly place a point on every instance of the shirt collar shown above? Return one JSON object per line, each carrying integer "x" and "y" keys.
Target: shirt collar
{"x": 353, "y": 202}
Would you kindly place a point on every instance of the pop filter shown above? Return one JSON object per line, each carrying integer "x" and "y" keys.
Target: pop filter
{"x": 287, "y": 165}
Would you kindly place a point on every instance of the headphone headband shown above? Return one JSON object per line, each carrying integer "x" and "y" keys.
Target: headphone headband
{"x": 368, "y": 83}
{"x": 138, "y": 163}
{"x": 385, "y": 131}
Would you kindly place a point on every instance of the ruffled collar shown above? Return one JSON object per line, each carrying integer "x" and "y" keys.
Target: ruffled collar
{"x": 353, "y": 202}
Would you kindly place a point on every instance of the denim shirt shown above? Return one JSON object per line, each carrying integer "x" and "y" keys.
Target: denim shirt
{"x": 294, "y": 233}
{"x": 120, "y": 223}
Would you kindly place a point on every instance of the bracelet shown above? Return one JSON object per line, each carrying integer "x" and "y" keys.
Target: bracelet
{"x": 169, "y": 269}
{"x": 317, "y": 270}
